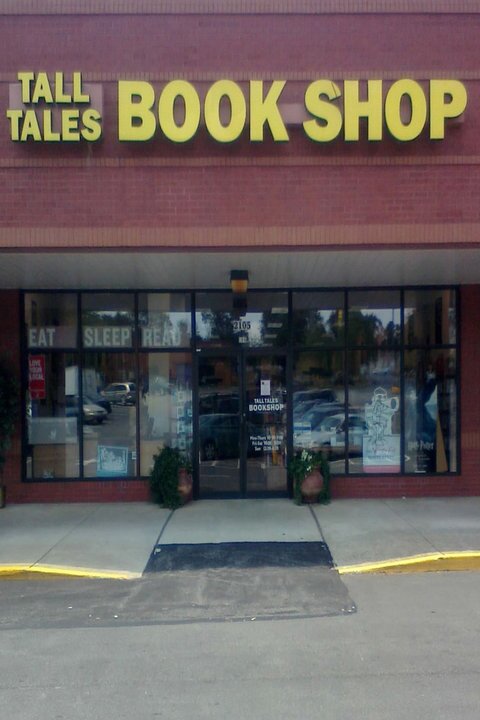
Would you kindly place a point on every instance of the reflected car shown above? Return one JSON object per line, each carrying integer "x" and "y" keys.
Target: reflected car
{"x": 93, "y": 414}
{"x": 330, "y": 434}
{"x": 316, "y": 434}
{"x": 99, "y": 400}
{"x": 219, "y": 403}
{"x": 299, "y": 409}
{"x": 219, "y": 437}
{"x": 325, "y": 395}
{"x": 357, "y": 428}
{"x": 122, "y": 393}
{"x": 317, "y": 413}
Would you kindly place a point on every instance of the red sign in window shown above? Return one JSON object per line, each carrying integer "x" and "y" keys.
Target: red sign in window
{"x": 36, "y": 377}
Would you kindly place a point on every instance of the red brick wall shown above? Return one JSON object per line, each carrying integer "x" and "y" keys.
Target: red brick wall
{"x": 230, "y": 44}
{"x": 62, "y": 492}
{"x": 260, "y": 197}
{"x": 202, "y": 184}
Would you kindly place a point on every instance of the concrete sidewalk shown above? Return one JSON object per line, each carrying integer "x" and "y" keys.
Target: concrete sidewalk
{"x": 402, "y": 535}
{"x": 116, "y": 540}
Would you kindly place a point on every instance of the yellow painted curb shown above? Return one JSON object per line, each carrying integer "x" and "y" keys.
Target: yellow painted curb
{"x": 428, "y": 562}
{"x": 67, "y": 571}
{"x": 13, "y": 569}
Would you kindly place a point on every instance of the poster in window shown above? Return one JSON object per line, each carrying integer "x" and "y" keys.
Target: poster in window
{"x": 381, "y": 448}
{"x": 36, "y": 377}
{"x": 112, "y": 461}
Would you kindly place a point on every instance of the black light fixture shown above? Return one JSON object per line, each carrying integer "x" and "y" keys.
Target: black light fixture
{"x": 239, "y": 286}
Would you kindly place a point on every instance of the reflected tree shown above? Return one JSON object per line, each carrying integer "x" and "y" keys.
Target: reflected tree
{"x": 363, "y": 329}
{"x": 392, "y": 334}
{"x": 218, "y": 325}
{"x": 97, "y": 318}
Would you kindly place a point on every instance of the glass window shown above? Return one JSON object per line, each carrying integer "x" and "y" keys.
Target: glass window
{"x": 371, "y": 433}
{"x": 52, "y": 412}
{"x": 374, "y": 317}
{"x": 264, "y": 322}
{"x": 430, "y": 317}
{"x": 107, "y": 320}
{"x": 318, "y": 400}
{"x": 51, "y": 320}
{"x": 337, "y": 360}
{"x": 214, "y": 319}
{"x": 268, "y": 313}
{"x": 430, "y": 411}
{"x": 318, "y": 318}
{"x": 165, "y": 320}
{"x": 165, "y": 404}
{"x": 109, "y": 415}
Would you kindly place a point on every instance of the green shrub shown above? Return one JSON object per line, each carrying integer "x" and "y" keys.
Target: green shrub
{"x": 164, "y": 477}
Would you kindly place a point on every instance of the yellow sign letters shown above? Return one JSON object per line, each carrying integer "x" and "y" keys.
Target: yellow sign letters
{"x": 53, "y": 111}
{"x": 58, "y": 109}
{"x": 404, "y": 109}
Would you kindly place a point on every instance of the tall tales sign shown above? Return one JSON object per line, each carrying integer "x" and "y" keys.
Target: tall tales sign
{"x": 55, "y": 110}
{"x": 58, "y": 108}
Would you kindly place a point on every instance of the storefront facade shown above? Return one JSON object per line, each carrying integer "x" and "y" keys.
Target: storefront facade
{"x": 326, "y": 158}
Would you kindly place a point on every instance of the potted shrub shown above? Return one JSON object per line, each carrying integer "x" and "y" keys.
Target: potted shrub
{"x": 311, "y": 477}
{"x": 171, "y": 478}
{"x": 9, "y": 408}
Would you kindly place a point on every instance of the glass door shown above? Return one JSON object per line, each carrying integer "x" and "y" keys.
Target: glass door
{"x": 219, "y": 426}
{"x": 242, "y": 432}
{"x": 265, "y": 423}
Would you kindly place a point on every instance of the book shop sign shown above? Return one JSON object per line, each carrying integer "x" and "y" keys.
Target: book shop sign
{"x": 61, "y": 107}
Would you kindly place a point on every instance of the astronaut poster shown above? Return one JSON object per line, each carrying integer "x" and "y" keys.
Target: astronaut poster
{"x": 381, "y": 448}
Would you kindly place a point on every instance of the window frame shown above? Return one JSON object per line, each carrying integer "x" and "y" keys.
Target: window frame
{"x": 290, "y": 349}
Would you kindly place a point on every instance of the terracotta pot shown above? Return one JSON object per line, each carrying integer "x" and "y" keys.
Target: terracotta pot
{"x": 185, "y": 486}
{"x": 312, "y": 486}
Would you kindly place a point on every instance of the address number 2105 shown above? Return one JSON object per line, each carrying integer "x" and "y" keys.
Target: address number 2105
{"x": 239, "y": 325}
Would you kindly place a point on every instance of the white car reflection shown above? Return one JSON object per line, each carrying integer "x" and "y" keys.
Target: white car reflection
{"x": 318, "y": 413}
{"x": 330, "y": 434}
{"x": 92, "y": 413}
{"x": 307, "y": 400}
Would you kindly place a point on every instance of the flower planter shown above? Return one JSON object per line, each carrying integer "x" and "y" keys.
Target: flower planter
{"x": 311, "y": 487}
{"x": 310, "y": 472}
{"x": 185, "y": 486}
